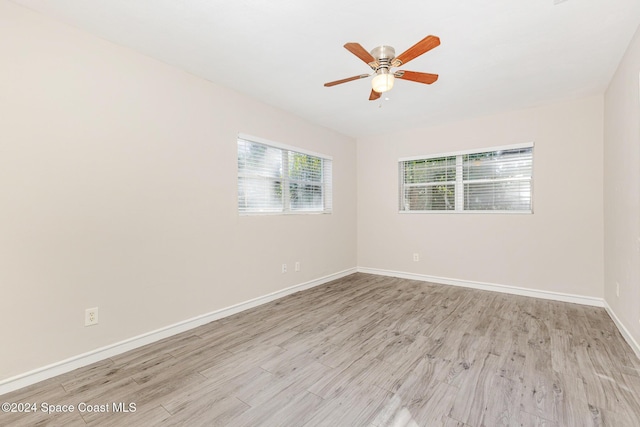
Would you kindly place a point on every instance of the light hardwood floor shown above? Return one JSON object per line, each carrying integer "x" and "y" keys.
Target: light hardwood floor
{"x": 367, "y": 351}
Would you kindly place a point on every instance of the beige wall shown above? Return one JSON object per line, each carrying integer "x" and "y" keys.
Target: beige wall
{"x": 117, "y": 190}
{"x": 622, "y": 190}
{"x": 558, "y": 248}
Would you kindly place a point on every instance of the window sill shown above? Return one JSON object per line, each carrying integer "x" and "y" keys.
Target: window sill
{"x": 530, "y": 212}
{"x": 283, "y": 213}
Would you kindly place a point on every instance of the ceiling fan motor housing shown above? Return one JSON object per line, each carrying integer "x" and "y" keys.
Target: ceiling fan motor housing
{"x": 383, "y": 56}
{"x": 383, "y": 52}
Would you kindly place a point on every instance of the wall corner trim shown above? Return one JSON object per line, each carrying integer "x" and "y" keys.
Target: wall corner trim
{"x": 623, "y": 330}
{"x": 40, "y": 374}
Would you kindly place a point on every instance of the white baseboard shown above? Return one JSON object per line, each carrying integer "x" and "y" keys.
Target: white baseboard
{"x": 623, "y": 330}
{"x": 556, "y": 296}
{"x": 67, "y": 365}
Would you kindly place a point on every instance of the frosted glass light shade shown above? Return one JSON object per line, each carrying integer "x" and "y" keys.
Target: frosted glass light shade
{"x": 382, "y": 82}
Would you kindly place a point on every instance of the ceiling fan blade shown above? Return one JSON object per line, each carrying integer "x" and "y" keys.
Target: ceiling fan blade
{"x": 374, "y": 95}
{"x": 349, "y": 79}
{"x": 415, "y": 76}
{"x": 360, "y": 52}
{"x": 424, "y": 45}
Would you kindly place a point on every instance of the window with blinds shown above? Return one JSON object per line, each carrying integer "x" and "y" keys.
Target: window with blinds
{"x": 273, "y": 178}
{"x": 429, "y": 184}
{"x": 495, "y": 180}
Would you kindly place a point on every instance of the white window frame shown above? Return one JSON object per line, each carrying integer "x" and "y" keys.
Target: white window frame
{"x": 459, "y": 182}
{"x": 326, "y": 183}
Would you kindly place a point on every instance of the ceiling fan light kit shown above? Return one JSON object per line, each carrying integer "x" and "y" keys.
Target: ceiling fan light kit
{"x": 382, "y": 82}
{"x": 382, "y": 58}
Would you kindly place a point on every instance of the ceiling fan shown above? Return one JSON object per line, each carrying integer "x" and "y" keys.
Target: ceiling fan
{"x": 382, "y": 58}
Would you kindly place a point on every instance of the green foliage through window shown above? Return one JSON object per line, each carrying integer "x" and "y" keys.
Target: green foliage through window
{"x": 499, "y": 180}
{"x": 272, "y": 179}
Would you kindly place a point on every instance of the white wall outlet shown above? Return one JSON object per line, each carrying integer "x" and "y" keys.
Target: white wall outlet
{"x": 416, "y": 257}
{"x": 91, "y": 316}
{"x": 297, "y": 265}
{"x": 617, "y": 289}
{"x": 284, "y": 268}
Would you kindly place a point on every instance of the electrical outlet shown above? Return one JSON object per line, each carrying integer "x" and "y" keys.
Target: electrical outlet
{"x": 284, "y": 268}
{"x": 416, "y": 257}
{"x": 617, "y": 289}
{"x": 91, "y": 316}
{"x": 297, "y": 265}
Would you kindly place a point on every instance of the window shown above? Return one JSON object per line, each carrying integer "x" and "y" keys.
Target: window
{"x": 492, "y": 180}
{"x": 273, "y": 178}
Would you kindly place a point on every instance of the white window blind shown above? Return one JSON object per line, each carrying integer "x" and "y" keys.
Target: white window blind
{"x": 495, "y": 180}
{"x": 429, "y": 184}
{"x": 276, "y": 179}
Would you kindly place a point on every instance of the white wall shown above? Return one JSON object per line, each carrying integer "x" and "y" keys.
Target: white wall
{"x": 117, "y": 190}
{"x": 557, "y": 249}
{"x": 622, "y": 190}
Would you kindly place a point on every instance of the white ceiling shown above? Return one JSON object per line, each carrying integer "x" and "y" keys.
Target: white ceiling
{"x": 494, "y": 55}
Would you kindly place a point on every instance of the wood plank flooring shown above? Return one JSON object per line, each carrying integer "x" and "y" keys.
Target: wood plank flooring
{"x": 367, "y": 351}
